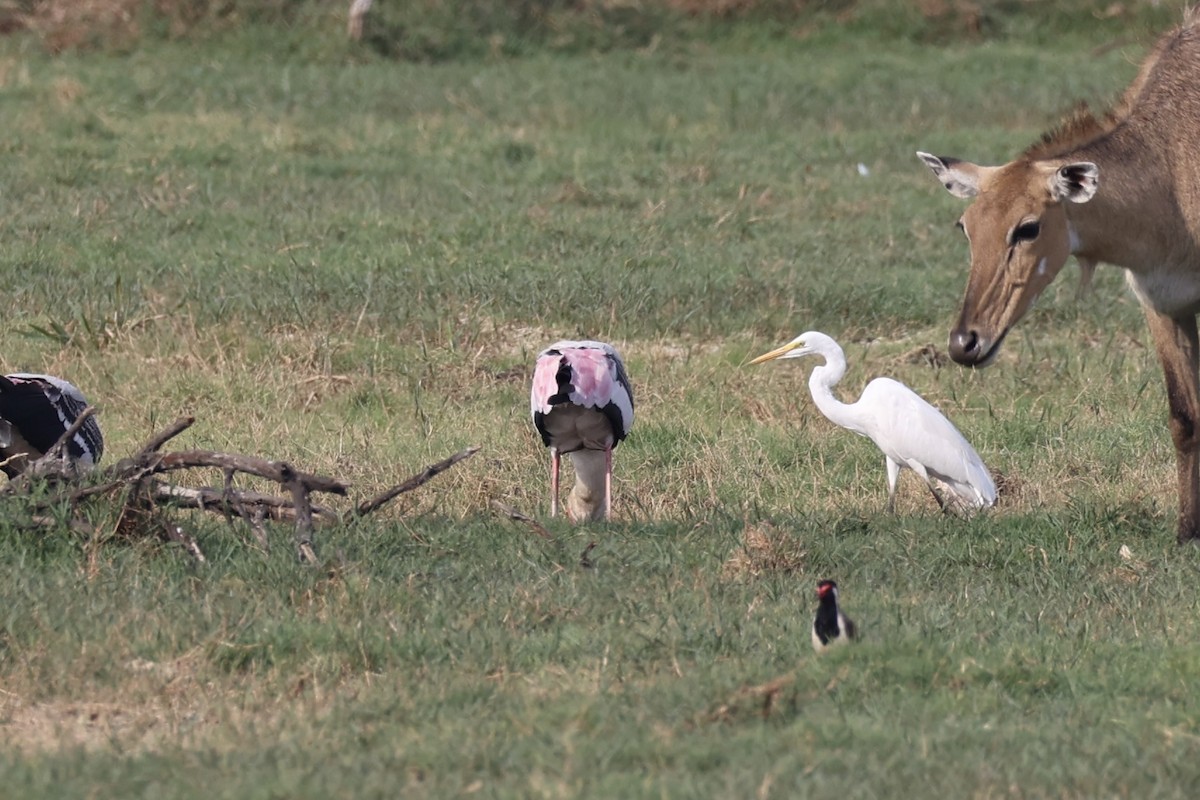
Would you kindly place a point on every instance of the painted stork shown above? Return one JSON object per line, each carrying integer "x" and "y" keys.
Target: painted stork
{"x": 830, "y": 626}
{"x": 911, "y": 433}
{"x": 582, "y": 405}
{"x": 35, "y": 411}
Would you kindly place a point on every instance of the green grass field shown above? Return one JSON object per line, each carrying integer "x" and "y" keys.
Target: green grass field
{"x": 350, "y": 263}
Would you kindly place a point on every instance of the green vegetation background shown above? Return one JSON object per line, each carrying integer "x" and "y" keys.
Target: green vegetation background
{"x": 346, "y": 254}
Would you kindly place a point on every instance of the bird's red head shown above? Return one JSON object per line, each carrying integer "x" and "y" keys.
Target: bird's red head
{"x": 825, "y": 588}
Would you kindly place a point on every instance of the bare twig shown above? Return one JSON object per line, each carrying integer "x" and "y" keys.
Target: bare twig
{"x": 234, "y": 499}
{"x": 55, "y": 451}
{"x": 77, "y": 525}
{"x": 260, "y": 533}
{"x": 252, "y": 465}
{"x": 155, "y": 442}
{"x": 294, "y": 483}
{"x": 141, "y": 494}
{"x": 228, "y": 496}
{"x": 247, "y": 504}
{"x": 421, "y": 478}
{"x": 178, "y": 535}
{"x": 513, "y": 514}
{"x": 74, "y": 496}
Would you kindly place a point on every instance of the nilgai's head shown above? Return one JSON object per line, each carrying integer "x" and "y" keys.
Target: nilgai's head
{"x": 1019, "y": 236}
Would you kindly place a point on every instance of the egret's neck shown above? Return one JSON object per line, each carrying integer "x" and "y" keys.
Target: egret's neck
{"x": 821, "y": 384}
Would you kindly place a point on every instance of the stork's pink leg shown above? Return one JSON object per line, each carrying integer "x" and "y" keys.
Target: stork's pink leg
{"x": 607, "y": 481}
{"x": 554, "y": 459}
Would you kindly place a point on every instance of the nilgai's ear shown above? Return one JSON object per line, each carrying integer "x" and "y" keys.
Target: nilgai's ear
{"x": 961, "y": 178}
{"x": 1076, "y": 182}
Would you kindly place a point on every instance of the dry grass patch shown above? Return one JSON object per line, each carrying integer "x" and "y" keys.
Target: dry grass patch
{"x": 156, "y": 705}
{"x": 164, "y": 708}
{"x": 71, "y": 24}
{"x": 46, "y": 726}
{"x": 764, "y": 549}
{"x": 712, "y": 435}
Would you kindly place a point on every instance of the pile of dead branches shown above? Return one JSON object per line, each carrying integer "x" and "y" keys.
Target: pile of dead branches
{"x": 51, "y": 486}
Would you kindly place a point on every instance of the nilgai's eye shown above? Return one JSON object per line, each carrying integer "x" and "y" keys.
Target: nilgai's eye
{"x": 1026, "y": 231}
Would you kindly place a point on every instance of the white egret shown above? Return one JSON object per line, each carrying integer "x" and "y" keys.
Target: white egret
{"x": 35, "y": 411}
{"x": 910, "y": 432}
{"x": 582, "y": 405}
{"x": 830, "y": 626}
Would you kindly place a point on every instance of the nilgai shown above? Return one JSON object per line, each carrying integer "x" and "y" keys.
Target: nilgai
{"x": 1122, "y": 188}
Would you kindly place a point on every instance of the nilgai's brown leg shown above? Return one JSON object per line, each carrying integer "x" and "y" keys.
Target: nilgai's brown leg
{"x": 1176, "y": 341}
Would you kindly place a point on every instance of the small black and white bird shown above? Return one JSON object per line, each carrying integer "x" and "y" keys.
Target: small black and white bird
{"x": 35, "y": 411}
{"x": 830, "y": 626}
{"x": 582, "y": 405}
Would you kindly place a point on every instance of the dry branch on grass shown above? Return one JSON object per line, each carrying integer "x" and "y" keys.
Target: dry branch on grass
{"x": 511, "y": 513}
{"x": 134, "y": 483}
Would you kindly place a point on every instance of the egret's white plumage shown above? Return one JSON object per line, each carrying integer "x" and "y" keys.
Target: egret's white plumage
{"x": 582, "y": 405}
{"x": 35, "y": 411}
{"x": 910, "y": 432}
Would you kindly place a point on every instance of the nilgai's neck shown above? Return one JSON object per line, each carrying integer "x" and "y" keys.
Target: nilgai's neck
{"x": 1137, "y": 218}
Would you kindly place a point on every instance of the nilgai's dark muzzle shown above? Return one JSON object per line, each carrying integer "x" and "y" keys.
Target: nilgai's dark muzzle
{"x": 966, "y": 347}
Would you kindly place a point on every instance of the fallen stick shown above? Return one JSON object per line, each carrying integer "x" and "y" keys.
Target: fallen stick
{"x": 142, "y": 493}
{"x": 55, "y": 451}
{"x": 293, "y": 482}
{"x": 155, "y": 442}
{"x": 276, "y": 471}
{"x": 513, "y": 514}
{"x": 242, "y": 502}
{"x": 174, "y": 533}
{"x": 420, "y": 479}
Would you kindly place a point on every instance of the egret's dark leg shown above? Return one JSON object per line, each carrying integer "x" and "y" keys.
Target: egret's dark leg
{"x": 941, "y": 503}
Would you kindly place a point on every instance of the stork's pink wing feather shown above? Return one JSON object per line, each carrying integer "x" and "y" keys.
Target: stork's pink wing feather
{"x": 592, "y": 377}
{"x": 596, "y": 378}
{"x": 545, "y": 383}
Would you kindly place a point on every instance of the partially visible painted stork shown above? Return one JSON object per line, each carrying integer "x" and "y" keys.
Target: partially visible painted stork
{"x": 582, "y": 405}
{"x": 35, "y": 411}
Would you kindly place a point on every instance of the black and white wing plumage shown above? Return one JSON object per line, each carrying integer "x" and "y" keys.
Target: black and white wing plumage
{"x": 35, "y": 410}
{"x": 582, "y": 406}
{"x": 590, "y": 377}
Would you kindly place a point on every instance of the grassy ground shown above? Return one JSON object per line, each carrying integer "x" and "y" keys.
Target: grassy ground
{"x": 350, "y": 263}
